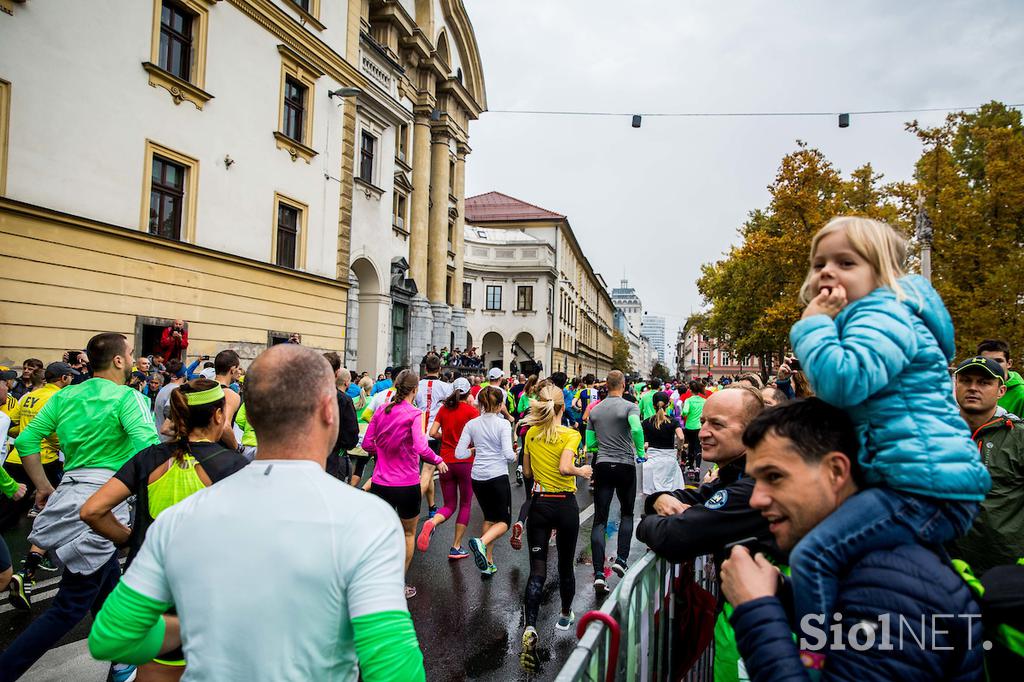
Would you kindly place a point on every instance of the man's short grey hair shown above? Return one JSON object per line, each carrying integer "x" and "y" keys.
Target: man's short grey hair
{"x": 282, "y": 389}
{"x": 344, "y": 377}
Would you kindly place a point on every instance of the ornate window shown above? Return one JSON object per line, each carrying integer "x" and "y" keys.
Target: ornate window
{"x": 524, "y": 298}
{"x": 177, "y": 61}
{"x": 294, "y": 132}
{"x": 288, "y": 243}
{"x": 169, "y": 196}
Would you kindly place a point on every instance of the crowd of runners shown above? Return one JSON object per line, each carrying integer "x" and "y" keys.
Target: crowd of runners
{"x": 209, "y": 482}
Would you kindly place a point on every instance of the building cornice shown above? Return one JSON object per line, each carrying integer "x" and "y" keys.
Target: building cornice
{"x": 300, "y": 40}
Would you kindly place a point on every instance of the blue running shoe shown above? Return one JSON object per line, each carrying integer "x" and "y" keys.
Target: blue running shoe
{"x": 122, "y": 672}
{"x": 565, "y": 622}
{"x": 457, "y": 553}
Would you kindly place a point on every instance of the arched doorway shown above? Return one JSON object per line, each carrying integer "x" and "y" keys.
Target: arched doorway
{"x": 492, "y": 349}
{"x": 367, "y": 346}
{"x": 524, "y": 354}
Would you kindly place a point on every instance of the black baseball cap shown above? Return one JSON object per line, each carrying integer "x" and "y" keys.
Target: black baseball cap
{"x": 8, "y": 375}
{"x": 983, "y": 365}
{"x": 59, "y": 369}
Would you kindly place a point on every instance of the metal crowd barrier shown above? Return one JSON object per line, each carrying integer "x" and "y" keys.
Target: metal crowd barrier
{"x": 631, "y": 636}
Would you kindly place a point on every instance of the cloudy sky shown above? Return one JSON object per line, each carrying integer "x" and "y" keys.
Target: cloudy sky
{"x": 656, "y": 202}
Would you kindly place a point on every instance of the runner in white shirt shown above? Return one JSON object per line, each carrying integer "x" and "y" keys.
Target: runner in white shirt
{"x": 490, "y": 436}
{"x": 429, "y": 396}
{"x": 278, "y": 572}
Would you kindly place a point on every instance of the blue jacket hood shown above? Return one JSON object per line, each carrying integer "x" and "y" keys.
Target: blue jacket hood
{"x": 924, "y": 302}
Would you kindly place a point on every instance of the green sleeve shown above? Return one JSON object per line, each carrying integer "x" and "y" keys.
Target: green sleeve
{"x": 40, "y": 427}
{"x": 129, "y": 628}
{"x": 240, "y": 417}
{"x": 591, "y": 438}
{"x": 524, "y": 403}
{"x": 387, "y": 647}
{"x": 7, "y": 484}
{"x": 637, "y": 430}
{"x": 137, "y": 421}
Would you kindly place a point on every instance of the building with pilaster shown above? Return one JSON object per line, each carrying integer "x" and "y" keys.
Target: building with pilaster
{"x": 699, "y": 356}
{"x": 578, "y": 313}
{"x": 412, "y": 140}
{"x": 232, "y": 163}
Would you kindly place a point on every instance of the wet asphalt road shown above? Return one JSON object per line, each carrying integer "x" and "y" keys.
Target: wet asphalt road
{"x": 469, "y": 627}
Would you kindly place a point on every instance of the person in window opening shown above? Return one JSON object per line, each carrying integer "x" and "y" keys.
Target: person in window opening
{"x": 295, "y": 338}
{"x": 173, "y": 341}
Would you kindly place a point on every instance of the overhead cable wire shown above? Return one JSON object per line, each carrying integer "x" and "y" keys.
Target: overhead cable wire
{"x": 736, "y": 114}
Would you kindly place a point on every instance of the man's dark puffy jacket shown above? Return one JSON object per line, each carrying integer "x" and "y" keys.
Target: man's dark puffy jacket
{"x": 909, "y": 582}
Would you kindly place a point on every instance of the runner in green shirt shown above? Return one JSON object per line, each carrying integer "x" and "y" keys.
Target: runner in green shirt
{"x": 101, "y": 424}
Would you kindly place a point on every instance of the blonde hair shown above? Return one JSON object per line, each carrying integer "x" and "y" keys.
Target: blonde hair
{"x": 874, "y": 241}
{"x": 546, "y": 412}
{"x": 365, "y": 386}
{"x": 660, "y": 403}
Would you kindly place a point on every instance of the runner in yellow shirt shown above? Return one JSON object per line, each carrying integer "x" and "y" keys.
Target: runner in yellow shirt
{"x": 549, "y": 459}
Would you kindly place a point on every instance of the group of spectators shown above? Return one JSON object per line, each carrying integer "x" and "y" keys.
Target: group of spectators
{"x": 456, "y": 357}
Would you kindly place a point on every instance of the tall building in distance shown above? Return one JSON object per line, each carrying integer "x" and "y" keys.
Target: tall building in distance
{"x": 629, "y": 308}
{"x": 653, "y": 327}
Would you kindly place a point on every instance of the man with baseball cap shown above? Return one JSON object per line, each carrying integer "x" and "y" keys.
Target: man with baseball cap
{"x": 997, "y": 535}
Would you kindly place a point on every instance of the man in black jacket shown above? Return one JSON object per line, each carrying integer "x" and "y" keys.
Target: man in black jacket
{"x": 683, "y": 524}
{"x": 900, "y": 614}
{"x": 348, "y": 423}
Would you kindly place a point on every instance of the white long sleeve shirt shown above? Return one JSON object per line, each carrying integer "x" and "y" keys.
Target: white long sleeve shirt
{"x": 491, "y": 435}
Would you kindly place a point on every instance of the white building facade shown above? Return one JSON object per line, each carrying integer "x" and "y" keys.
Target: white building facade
{"x": 510, "y": 279}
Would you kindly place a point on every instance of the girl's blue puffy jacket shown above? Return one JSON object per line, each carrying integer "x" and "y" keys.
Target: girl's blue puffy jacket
{"x": 885, "y": 362}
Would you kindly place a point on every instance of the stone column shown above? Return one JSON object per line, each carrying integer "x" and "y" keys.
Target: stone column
{"x": 507, "y": 356}
{"x": 420, "y": 317}
{"x": 420, "y": 207}
{"x": 437, "y": 250}
{"x": 459, "y": 242}
{"x": 352, "y": 321}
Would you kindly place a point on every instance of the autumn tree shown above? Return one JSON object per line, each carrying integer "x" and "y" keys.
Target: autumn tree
{"x": 753, "y": 291}
{"x": 620, "y": 353}
{"x": 971, "y": 174}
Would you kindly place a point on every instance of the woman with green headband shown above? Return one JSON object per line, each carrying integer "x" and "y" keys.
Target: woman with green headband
{"x": 163, "y": 475}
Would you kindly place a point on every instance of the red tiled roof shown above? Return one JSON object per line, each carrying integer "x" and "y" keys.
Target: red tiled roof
{"x": 498, "y": 207}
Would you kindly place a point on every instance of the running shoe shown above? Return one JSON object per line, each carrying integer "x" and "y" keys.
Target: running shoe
{"x": 410, "y": 591}
{"x": 528, "y": 656}
{"x": 46, "y": 565}
{"x": 600, "y": 584}
{"x": 21, "y": 592}
{"x": 457, "y": 553}
{"x": 423, "y": 541}
{"x": 34, "y": 511}
{"x": 431, "y": 512}
{"x": 516, "y": 539}
{"x": 122, "y": 672}
{"x": 565, "y": 622}
{"x": 619, "y": 567}
{"x": 479, "y": 550}
{"x": 519, "y": 475}
{"x": 491, "y": 569}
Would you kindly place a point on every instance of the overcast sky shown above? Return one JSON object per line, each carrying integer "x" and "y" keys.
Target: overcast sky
{"x": 656, "y": 202}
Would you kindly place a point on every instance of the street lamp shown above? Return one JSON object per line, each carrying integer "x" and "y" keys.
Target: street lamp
{"x": 924, "y": 232}
{"x": 345, "y": 92}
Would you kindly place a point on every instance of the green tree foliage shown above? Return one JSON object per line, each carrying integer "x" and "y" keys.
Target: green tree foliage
{"x": 972, "y": 176}
{"x": 620, "y": 353}
{"x": 660, "y": 371}
{"x": 971, "y": 173}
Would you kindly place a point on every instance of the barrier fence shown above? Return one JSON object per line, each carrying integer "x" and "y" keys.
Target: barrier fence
{"x": 635, "y": 635}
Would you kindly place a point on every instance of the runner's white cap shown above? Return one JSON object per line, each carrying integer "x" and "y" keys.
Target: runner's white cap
{"x": 461, "y": 384}
{"x": 495, "y": 373}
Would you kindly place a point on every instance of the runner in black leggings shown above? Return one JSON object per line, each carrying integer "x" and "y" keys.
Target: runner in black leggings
{"x": 550, "y": 453}
{"x": 615, "y": 432}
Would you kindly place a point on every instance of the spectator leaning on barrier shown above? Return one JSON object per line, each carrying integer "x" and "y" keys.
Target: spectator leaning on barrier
{"x": 997, "y": 535}
{"x": 803, "y": 459}
{"x": 683, "y": 524}
{"x": 999, "y": 351}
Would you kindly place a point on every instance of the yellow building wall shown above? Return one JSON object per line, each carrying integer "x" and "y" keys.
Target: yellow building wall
{"x": 64, "y": 279}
